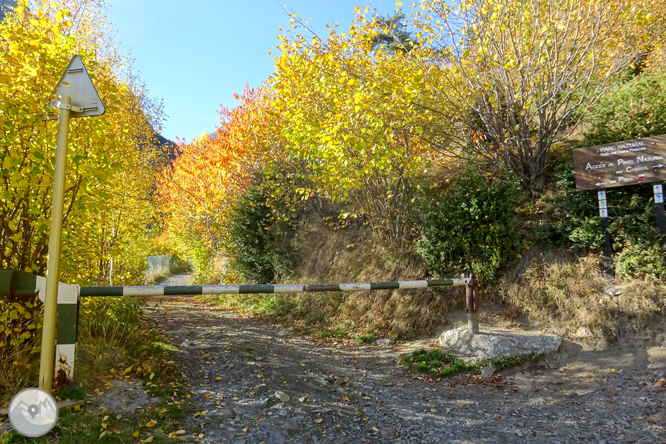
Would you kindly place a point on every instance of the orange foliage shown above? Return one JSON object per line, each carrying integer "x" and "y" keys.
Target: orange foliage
{"x": 198, "y": 191}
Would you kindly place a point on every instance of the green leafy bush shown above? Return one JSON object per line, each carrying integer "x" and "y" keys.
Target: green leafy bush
{"x": 641, "y": 260}
{"x": 472, "y": 226}
{"x": 573, "y": 216}
{"x": 636, "y": 108}
{"x": 260, "y": 241}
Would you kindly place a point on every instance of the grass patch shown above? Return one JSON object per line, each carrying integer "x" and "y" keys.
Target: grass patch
{"x": 441, "y": 364}
{"x": 164, "y": 346}
{"x": 85, "y": 426}
{"x": 367, "y": 338}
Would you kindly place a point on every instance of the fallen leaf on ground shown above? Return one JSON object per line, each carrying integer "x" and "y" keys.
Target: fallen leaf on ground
{"x": 151, "y": 424}
{"x": 319, "y": 420}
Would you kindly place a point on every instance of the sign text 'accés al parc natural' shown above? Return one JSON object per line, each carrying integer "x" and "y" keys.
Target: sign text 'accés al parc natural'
{"x": 620, "y": 164}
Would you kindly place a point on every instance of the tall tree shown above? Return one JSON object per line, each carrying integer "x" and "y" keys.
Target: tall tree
{"x": 521, "y": 74}
{"x": 110, "y": 173}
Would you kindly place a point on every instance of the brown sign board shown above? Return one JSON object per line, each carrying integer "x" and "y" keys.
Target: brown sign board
{"x": 620, "y": 164}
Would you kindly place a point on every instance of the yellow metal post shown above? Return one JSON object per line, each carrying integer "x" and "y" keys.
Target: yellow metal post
{"x": 53, "y": 266}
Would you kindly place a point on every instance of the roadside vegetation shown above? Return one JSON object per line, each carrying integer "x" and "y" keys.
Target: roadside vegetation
{"x": 428, "y": 143}
{"x": 110, "y": 220}
{"x": 441, "y": 364}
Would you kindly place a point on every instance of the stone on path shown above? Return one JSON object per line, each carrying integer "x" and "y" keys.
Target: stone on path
{"x": 495, "y": 343}
{"x": 275, "y": 437}
{"x": 487, "y": 371}
{"x": 282, "y": 396}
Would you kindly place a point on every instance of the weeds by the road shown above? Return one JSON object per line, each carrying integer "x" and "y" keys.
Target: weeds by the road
{"x": 441, "y": 364}
{"x": 116, "y": 341}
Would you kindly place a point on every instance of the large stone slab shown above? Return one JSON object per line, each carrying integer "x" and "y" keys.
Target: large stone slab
{"x": 496, "y": 343}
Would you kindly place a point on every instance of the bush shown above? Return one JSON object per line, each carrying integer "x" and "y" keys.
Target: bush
{"x": 636, "y": 108}
{"x": 470, "y": 227}
{"x": 572, "y": 216}
{"x": 259, "y": 243}
{"x": 641, "y": 260}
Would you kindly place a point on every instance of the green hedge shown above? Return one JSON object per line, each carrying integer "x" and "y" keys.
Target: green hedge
{"x": 470, "y": 227}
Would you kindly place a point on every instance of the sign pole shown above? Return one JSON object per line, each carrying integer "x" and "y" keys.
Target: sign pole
{"x": 659, "y": 208}
{"x": 603, "y": 212}
{"x": 75, "y": 96}
{"x": 53, "y": 265}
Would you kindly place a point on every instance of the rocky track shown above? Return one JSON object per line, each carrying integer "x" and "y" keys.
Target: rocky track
{"x": 255, "y": 383}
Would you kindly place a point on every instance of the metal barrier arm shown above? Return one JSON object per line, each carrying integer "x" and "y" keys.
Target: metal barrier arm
{"x": 187, "y": 290}
{"x": 22, "y": 285}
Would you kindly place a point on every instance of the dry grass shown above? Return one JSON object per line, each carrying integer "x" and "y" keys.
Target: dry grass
{"x": 114, "y": 334}
{"x": 349, "y": 256}
{"x": 153, "y": 275}
{"x": 561, "y": 289}
{"x": 569, "y": 292}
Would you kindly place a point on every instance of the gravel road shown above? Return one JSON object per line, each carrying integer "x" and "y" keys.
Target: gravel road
{"x": 259, "y": 384}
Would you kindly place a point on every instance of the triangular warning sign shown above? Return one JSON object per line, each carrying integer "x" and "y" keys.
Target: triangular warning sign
{"x": 76, "y": 83}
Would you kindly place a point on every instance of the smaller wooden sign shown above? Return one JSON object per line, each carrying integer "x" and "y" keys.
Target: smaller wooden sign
{"x": 620, "y": 164}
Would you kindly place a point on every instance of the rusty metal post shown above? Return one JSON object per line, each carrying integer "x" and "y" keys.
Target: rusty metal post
{"x": 472, "y": 296}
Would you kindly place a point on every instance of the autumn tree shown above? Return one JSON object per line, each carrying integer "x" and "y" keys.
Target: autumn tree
{"x": 199, "y": 191}
{"x": 349, "y": 112}
{"x": 521, "y": 74}
{"x": 111, "y": 159}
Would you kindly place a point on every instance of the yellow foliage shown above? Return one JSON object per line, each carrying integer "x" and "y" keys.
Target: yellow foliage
{"x": 112, "y": 159}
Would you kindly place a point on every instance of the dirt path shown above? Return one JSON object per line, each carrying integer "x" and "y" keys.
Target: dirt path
{"x": 359, "y": 394}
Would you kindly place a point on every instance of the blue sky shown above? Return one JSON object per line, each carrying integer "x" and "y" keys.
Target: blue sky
{"x": 195, "y": 54}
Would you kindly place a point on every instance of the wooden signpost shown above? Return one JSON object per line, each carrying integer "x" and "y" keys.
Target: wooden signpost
{"x": 620, "y": 164}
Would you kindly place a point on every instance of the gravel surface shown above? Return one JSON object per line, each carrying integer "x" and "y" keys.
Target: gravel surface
{"x": 260, "y": 384}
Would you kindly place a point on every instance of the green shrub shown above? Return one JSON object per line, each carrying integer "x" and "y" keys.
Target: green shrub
{"x": 472, "y": 226}
{"x": 573, "y": 216}
{"x": 573, "y": 221}
{"x": 636, "y": 108}
{"x": 260, "y": 242}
